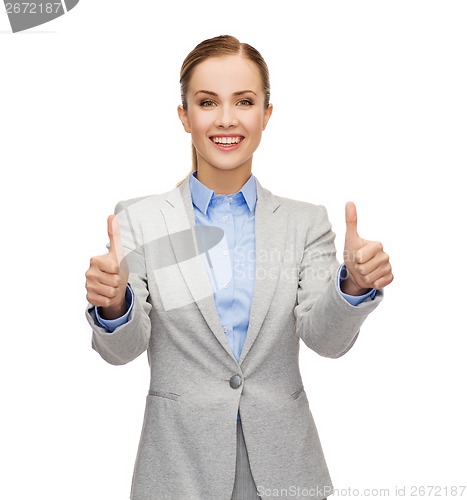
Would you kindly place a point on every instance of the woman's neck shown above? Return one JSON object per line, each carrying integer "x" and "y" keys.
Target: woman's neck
{"x": 224, "y": 181}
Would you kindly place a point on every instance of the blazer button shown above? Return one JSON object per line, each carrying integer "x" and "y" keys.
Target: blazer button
{"x": 235, "y": 381}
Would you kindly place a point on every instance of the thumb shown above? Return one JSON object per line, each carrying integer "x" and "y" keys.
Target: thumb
{"x": 351, "y": 221}
{"x": 113, "y": 230}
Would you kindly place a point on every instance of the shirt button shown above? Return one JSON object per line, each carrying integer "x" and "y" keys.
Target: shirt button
{"x": 226, "y": 285}
{"x": 230, "y": 199}
{"x": 225, "y": 329}
{"x": 226, "y": 217}
{"x": 225, "y": 252}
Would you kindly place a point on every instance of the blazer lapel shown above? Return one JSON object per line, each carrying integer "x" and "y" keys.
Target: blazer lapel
{"x": 270, "y": 238}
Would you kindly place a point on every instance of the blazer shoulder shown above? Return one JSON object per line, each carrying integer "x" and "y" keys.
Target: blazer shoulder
{"x": 302, "y": 209}
{"x": 142, "y": 203}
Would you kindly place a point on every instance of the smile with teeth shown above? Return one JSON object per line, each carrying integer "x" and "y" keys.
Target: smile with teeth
{"x": 226, "y": 141}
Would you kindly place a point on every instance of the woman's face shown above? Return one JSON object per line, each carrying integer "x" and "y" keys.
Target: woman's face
{"x": 225, "y": 103}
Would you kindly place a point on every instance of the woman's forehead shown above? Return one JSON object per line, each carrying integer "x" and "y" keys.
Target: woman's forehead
{"x": 226, "y": 73}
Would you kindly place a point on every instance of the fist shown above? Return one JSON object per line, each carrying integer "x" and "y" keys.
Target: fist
{"x": 107, "y": 276}
{"x": 366, "y": 262}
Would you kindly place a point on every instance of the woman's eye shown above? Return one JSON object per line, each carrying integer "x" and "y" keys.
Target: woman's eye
{"x": 207, "y": 104}
{"x": 246, "y": 102}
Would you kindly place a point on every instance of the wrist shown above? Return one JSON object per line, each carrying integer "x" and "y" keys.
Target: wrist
{"x": 356, "y": 292}
{"x": 113, "y": 312}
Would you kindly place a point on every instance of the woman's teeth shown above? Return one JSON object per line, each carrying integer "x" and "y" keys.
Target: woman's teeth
{"x": 226, "y": 140}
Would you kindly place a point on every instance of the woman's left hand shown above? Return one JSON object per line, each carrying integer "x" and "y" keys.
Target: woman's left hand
{"x": 367, "y": 264}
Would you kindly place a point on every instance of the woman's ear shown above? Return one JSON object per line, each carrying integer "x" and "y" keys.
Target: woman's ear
{"x": 267, "y": 115}
{"x": 183, "y": 115}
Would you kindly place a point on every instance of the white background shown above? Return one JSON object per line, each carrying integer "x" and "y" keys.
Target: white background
{"x": 369, "y": 105}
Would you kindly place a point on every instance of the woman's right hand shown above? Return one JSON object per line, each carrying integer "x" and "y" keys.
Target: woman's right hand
{"x": 107, "y": 276}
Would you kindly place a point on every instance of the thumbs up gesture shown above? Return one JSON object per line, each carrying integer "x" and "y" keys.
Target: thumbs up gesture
{"x": 367, "y": 264}
{"x": 107, "y": 276}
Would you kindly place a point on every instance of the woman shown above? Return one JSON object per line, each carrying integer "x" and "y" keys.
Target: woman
{"x": 218, "y": 279}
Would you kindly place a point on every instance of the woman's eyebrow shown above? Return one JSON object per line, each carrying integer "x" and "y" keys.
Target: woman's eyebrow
{"x": 210, "y": 92}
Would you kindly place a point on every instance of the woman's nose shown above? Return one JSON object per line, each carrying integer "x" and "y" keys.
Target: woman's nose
{"x": 226, "y": 117}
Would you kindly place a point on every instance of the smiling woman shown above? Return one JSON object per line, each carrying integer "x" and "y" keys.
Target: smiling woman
{"x": 227, "y": 415}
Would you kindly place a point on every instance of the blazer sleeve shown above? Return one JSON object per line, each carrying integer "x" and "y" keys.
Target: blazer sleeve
{"x": 325, "y": 321}
{"x": 131, "y": 339}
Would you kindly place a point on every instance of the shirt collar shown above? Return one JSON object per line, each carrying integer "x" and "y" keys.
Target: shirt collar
{"x": 202, "y": 196}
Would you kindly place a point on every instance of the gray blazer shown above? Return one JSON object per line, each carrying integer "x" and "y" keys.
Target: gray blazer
{"x": 187, "y": 448}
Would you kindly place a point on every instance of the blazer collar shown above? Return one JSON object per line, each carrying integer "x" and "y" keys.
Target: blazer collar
{"x": 270, "y": 238}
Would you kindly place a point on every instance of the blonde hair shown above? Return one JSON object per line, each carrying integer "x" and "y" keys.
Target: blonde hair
{"x": 223, "y": 45}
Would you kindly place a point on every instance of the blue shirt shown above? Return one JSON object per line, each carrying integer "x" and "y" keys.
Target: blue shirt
{"x": 233, "y": 259}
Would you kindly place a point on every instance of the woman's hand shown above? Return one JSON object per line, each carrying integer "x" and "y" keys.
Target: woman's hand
{"x": 107, "y": 276}
{"x": 367, "y": 264}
